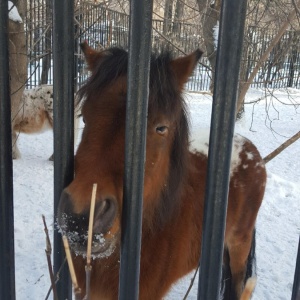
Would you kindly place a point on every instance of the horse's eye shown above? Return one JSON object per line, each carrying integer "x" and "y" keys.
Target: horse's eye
{"x": 162, "y": 130}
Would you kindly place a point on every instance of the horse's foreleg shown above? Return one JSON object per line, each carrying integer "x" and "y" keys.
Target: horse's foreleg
{"x": 249, "y": 288}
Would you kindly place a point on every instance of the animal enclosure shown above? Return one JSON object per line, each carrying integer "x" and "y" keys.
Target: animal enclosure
{"x": 64, "y": 155}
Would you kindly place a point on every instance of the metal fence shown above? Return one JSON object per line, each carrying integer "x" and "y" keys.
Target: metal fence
{"x": 103, "y": 28}
{"x": 63, "y": 84}
{"x": 282, "y": 67}
{"x": 7, "y": 262}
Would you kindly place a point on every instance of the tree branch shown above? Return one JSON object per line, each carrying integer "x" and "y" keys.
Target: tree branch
{"x": 265, "y": 56}
{"x": 287, "y": 143}
{"x": 48, "y": 252}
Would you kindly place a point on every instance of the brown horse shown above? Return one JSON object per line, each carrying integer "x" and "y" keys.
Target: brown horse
{"x": 174, "y": 183}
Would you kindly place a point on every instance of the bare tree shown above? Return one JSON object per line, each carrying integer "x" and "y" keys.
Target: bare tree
{"x": 245, "y": 86}
{"x": 17, "y": 67}
{"x": 168, "y": 14}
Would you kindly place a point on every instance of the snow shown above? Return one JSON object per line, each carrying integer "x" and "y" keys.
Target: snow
{"x": 216, "y": 35}
{"x": 13, "y": 13}
{"x": 200, "y": 143}
{"x": 268, "y": 124}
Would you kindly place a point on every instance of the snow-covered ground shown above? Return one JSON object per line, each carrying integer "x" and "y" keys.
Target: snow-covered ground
{"x": 267, "y": 124}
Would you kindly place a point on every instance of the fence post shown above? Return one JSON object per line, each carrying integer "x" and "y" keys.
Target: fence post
{"x": 230, "y": 42}
{"x": 296, "y": 284}
{"x": 7, "y": 252}
{"x": 136, "y": 126}
{"x": 63, "y": 110}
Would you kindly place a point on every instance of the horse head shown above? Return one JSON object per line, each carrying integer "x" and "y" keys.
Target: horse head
{"x": 100, "y": 155}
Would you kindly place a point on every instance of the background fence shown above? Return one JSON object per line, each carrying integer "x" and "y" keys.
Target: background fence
{"x": 103, "y": 28}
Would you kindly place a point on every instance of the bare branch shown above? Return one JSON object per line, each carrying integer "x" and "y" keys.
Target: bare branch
{"x": 88, "y": 267}
{"x": 88, "y": 270}
{"x": 91, "y": 222}
{"x": 77, "y": 289}
{"x": 265, "y": 56}
{"x": 191, "y": 284}
{"x": 177, "y": 48}
{"x": 48, "y": 252}
{"x": 287, "y": 143}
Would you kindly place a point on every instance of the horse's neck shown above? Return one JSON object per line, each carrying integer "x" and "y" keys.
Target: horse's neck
{"x": 175, "y": 247}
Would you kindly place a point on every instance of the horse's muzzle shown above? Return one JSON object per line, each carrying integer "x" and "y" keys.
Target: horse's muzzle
{"x": 75, "y": 225}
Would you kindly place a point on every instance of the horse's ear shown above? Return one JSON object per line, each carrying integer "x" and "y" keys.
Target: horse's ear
{"x": 183, "y": 67}
{"x": 92, "y": 56}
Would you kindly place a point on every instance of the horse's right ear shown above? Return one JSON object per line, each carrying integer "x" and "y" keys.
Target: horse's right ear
{"x": 92, "y": 56}
{"x": 183, "y": 67}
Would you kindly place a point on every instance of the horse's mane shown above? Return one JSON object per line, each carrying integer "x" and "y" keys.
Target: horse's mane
{"x": 165, "y": 99}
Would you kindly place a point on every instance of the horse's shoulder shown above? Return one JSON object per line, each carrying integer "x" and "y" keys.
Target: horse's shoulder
{"x": 243, "y": 150}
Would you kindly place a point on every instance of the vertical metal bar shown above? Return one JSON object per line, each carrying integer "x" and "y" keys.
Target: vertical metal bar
{"x": 296, "y": 284}
{"x": 63, "y": 92}
{"x": 7, "y": 252}
{"x": 222, "y": 127}
{"x": 136, "y": 126}
{"x": 77, "y": 34}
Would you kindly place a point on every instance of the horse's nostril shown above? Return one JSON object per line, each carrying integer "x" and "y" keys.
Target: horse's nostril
{"x": 105, "y": 212}
{"x": 68, "y": 220}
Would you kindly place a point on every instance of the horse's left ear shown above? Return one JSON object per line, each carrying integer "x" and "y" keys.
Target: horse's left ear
{"x": 92, "y": 56}
{"x": 183, "y": 67}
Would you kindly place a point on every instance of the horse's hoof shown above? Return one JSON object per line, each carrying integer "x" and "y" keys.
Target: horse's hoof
{"x": 51, "y": 158}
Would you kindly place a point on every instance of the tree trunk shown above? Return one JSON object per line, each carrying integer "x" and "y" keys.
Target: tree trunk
{"x": 178, "y": 16}
{"x": 167, "y": 29}
{"x": 17, "y": 63}
{"x": 211, "y": 15}
{"x": 17, "y": 67}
